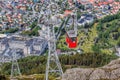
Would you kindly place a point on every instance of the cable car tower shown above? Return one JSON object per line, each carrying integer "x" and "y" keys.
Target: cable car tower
{"x": 15, "y": 71}
{"x": 53, "y": 66}
{"x": 49, "y": 12}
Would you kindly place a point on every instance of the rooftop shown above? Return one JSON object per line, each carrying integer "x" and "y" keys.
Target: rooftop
{"x": 71, "y": 33}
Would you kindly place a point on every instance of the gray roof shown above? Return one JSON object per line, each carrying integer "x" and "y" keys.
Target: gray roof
{"x": 71, "y": 33}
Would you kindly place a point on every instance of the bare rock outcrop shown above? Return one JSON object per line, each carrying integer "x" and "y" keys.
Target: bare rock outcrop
{"x": 110, "y": 71}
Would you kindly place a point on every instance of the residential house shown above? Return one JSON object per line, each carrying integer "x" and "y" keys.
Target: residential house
{"x": 85, "y": 19}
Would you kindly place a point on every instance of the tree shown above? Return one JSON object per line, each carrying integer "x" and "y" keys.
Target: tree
{"x": 96, "y": 48}
{"x": 118, "y": 43}
{"x": 3, "y": 77}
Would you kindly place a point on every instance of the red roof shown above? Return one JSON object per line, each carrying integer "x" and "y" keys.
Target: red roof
{"x": 70, "y": 2}
{"x": 67, "y": 12}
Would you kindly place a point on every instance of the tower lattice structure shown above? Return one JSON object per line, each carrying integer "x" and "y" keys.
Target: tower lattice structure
{"x": 53, "y": 66}
{"x": 15, "y": 70}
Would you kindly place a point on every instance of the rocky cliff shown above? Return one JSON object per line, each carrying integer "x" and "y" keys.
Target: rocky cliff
{"x": 107, "y": 72}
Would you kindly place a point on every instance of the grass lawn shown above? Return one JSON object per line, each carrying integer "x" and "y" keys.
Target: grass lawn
{"x": 89, "y": 40}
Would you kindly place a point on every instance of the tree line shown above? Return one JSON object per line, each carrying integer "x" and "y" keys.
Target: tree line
{"x": 37, "y": 64}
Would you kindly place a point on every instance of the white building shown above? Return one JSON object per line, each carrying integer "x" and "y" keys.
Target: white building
{"x": 2, "y": 47}
{"x": 3, "y": 44}
{"x": 26, "y": 46}
{"x": 85, "y": 19}
{"x": 27, "y": 50}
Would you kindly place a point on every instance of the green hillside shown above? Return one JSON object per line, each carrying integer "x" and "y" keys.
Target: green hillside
{"x": 100, "y": 37}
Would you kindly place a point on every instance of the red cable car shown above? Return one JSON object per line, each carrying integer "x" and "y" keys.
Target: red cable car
{"x": 71, "y": 39}
{"x": 71, "y": 32}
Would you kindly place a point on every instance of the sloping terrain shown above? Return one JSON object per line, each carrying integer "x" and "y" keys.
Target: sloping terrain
{"x": 107, "y": 72}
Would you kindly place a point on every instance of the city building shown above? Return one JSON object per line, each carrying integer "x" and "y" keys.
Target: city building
{"x": 28, "y": 46}
{"x": 85, "y": 19}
